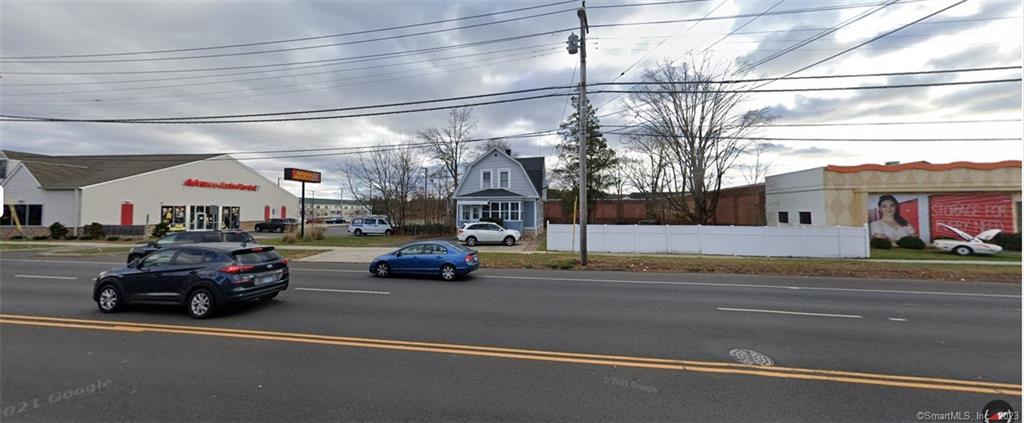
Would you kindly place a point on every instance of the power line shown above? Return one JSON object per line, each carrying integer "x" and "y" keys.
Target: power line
{"x": 838, "y": 139}
{"x": 281, "y": 50}
{"x": 946, "y": 21}
{"x": 179, "y": 78}
{"x": 231, "y": 81}
{"x": 285, "y": 64}
{"x": 179, "y": 120}
{"x": 817, "y": 36}
{"x": 345, "y": 34}
{"x": 373, "y": 80}
{"x": 826, "y": 124}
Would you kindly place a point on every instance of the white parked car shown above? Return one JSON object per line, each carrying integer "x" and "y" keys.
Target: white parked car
{"x": 474, "y": 233}
{"x": 361, "y": 226}
{"x": 968, "y": 245}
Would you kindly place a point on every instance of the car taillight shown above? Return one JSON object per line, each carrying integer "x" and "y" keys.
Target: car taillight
{"x": 237, "y": 268}
{"x": 460, "y": 230}
{"x": 470, "y": 258}
{"x": 284, "y": 262}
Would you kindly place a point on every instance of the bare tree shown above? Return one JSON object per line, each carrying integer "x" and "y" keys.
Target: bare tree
{"x": 502, "y": 144}
{"x": 384, "y": 179}
{"x": 703, "y": 126}
{"x": 448, "y": 145}
{"x": 757, "y": 171}
{"x": 649, "y": 171}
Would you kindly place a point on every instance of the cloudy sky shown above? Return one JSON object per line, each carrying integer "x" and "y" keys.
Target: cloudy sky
{"x": 977, "y": 33}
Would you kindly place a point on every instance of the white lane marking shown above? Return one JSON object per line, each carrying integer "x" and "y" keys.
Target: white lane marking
{"x": 742, "y": 285}
{"x": 46, "y": 277}
{"x": 798, "y": 313}
{"x": 330, "y": 270}
{"x": 897, "y": 319}
{"x": 349, "y": 291}
{"x": 65, "y": 261}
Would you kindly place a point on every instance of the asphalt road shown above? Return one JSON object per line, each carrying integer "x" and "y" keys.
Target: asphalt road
{"x": 511, "y": 345}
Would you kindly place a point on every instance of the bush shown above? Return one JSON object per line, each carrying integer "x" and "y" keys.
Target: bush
{"x": 85, "y": 238}
{"x": 58, "y": 231}
{"x": 17, "y": 237}
{"x": 160, "y": 230}
{"x": 881, "y": 243}
{"x": 113, "y": 238}
{"x": 315, "y": 233}
{"x": 94, "y": 231}
{"x": 290, "y": 238}
{"x": 70, "y": 237}
{"x": 428, "y": 229}
{"x": 911, "y": 243}
{"x": 1008, "y": 240}
{"x": 40, "y": 237}
{"x": 497, "y": 220}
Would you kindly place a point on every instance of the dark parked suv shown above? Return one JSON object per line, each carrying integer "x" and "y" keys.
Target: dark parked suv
{"x": 275, "y": 225}
{"x": 202, "y": 277}
{"x": 189, "y": 238}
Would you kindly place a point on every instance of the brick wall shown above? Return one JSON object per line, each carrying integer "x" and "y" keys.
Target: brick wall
{"x": 741, "y": 206}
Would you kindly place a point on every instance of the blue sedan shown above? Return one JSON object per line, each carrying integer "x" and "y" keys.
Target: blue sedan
{"x": 430, "y": 257}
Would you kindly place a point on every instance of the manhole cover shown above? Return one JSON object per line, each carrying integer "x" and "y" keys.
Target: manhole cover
{"x": 751, "y": 357}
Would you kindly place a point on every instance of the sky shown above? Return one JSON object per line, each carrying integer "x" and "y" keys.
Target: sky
{"x": 974, "y": 34}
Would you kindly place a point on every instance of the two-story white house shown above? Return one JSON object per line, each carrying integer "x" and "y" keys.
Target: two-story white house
{"x": 499, "y": 185}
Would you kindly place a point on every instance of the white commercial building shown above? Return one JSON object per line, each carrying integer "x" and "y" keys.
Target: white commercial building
{"x": 130, "y": 192}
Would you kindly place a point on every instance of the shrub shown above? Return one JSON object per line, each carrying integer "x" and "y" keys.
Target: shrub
{"x": 40, "y": 237}
{"x": 160, "y": 230}
{"x": 427, "y": 229}
{"x": 911, "y": 243}
{"x": 17, "y": 237}
{"x": 70, "y": 237}
{"x": 1008, "y": 240}
{"x": 113, "y": 238}
{"x": 314, "y": 233}
{"x": 85, "y": 238}
{"x": 93, "y": 231}
{"x": 58, "y": 231}
{"x": 881, "y": 243}
{"x": 497, "y": 220}
{"x": 290, "y": 238}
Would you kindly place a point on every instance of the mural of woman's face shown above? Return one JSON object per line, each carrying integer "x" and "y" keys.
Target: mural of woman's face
{"x": 888, "y": 208}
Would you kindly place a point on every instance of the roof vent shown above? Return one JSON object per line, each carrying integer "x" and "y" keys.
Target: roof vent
{"x": 892, "y": 163}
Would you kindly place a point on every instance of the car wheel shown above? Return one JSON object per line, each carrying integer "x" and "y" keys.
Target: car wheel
{"x": 448, "y": 272}
{"x": 383, "y": 270}
{"x": 471, "y": 241}
{"x": 388, "y": 232}
{"x": 358, "y": 232}
{"x": 110, "y": 299}
{"x": 962, "y": 251}
{"x": 200, "y": 304}
{"x": 510, "y": 240}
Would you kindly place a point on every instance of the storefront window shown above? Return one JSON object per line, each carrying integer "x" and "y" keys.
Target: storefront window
{"x": 27, "y": 215}
{"x": 229, "y": 218}
{"x": 203, "y": 218}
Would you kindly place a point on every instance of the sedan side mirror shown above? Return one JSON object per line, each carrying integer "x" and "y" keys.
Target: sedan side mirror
{"x": 398, "y": 253}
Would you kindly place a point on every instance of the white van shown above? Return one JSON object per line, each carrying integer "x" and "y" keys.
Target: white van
{"x": 370, "y": 225}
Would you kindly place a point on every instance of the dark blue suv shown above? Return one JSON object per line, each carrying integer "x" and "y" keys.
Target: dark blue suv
{"x": 202, "y": 277}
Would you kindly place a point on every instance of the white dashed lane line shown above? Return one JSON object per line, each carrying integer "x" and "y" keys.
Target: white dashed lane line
{"x": 46, "y": 277}
{"x": 795, "y": 313}
{"x": 346, "y": 291}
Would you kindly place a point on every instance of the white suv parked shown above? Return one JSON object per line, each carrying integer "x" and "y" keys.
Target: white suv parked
{"x": 473, "y": 233}
{"x": 370, "y": 225}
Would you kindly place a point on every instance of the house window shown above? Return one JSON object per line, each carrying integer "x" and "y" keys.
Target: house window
{"x": 505, "y": 210}
{"x": 28, "y": 215}
{"x": 465, "y": 212}
{"x": 503, "y": 176}
{"x": 783, "y": 217}
{"x": 485, "y": 179}
{"x": 805, "y": 218}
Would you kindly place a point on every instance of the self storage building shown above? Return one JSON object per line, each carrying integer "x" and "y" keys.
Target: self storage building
{"x": 897, "y": 200}
{"x": 129, "y": 194}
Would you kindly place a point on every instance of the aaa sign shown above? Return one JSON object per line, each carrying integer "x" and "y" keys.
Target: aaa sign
{"x": 301, "y": 175}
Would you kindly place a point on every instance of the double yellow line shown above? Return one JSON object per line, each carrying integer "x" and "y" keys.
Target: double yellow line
{"x": 913, "y": 382}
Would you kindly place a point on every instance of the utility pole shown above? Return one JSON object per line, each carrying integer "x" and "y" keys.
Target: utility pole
{"x": 582, "y": 117}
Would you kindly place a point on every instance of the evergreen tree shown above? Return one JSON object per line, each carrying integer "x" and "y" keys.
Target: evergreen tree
{"x": 601, "y": 160}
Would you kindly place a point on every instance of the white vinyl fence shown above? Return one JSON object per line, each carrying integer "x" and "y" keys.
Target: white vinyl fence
{"x": 763, "y": 241}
